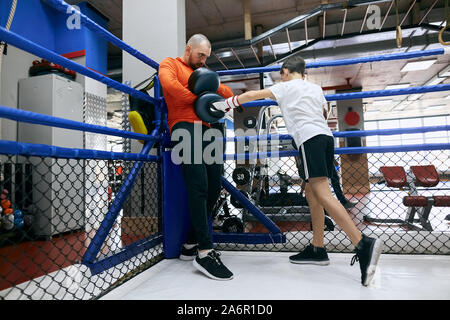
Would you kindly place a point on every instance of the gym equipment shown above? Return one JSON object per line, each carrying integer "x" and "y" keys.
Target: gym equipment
{"x": 5, "y": 203}
{"x": 28, "y": 220}
{"x": 19, "y": 223}
{"x": 235, "y": 202}
{"x": 241, "y": 176}
{"x": 204, "y": 110}
{"x": 142, "y": 113}
{"x": 8, "y": 222}
{"x": 137, "y": 123}
{"x": 224, "y": 221}
{"x": 18, "y": 214}
{"x": 203, "y": 80}
{"x": 46, "y": 67}
{"x": 250, "y": 122}
{"x": 418, "y": 176}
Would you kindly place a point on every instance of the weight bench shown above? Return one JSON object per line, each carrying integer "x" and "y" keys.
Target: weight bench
{"x": 418, "y": 176}
{"x": 416, "y": 202}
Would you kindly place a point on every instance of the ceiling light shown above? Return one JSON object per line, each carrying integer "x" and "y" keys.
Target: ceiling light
{"x": 447, "y": 97}
{"x": 224, "y": 54}
{"x": 437, "y": 23}
{"x": 418, "y": 65}
{"x": 434, "y": 107}
{"x": 381, "y": 102}
{"x": 413, "y": 97}
{"x": 401, "y": 106}
{"x": 434, "y": 81}
{"x": 268, "y": 81}
{"x": 397, "y": 86}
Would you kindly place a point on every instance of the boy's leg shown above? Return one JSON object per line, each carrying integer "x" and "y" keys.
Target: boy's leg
{"x": 317, "y": 217}
{"x": 315, "y": 253}
{"x": 367, "y": 249}
{"x": 316, "y": 166}
{"x": 321, "y": 189}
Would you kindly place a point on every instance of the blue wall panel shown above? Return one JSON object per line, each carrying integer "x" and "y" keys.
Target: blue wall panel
{"x": 33, "y": 20}
{"x": 38, "y": 22}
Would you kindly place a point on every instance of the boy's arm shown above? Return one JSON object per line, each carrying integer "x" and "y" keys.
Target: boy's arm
{"x": 236, "y": 101}
{"x": 326, "y": 111}
{"x": 255, "y": 95}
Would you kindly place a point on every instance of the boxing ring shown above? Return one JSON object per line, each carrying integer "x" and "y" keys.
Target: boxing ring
{"x": 99, "y": 260}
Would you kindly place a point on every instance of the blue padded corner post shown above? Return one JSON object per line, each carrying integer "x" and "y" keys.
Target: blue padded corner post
{"x": 176, "y": 218}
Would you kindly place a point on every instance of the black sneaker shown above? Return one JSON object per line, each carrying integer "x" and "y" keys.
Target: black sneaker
{"x": 311, "y": 255}
{"x": 212, "y": 266}
{"x": 188, "y": 254}
{"x": 368, "y": 252}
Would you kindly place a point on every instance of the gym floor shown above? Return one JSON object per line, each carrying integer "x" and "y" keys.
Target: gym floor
{"x": 380, "y": 204}
{"x": 270, "y": 276}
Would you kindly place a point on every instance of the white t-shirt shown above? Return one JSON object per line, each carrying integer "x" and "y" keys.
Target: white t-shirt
{"x": 301, "y": 103}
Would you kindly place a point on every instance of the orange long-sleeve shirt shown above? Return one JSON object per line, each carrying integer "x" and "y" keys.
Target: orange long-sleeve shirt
{"x": 174, "y": 75}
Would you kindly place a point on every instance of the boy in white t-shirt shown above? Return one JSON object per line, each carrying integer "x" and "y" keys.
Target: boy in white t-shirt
{"x": 301, "y": 104}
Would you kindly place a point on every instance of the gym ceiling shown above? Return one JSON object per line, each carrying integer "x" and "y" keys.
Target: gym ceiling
{"x": 320, "y": 30}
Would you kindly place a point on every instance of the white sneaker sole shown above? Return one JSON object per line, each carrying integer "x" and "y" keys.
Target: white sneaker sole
{"x": 317, "y": 263}
{"x": 186, "y": 258}
{"x": 206, "y": 273}
{"x": 377, "y": 250}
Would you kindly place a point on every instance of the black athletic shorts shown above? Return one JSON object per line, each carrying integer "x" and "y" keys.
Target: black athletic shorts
{"x": 316, "y": 157}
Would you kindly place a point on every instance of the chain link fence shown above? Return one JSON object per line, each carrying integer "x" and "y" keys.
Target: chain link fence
{"x": 51, "y": 210}
{"x": 376, "y": 208}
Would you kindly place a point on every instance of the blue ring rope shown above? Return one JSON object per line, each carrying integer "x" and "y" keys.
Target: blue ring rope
{"x": 362, "y": 95}
{"x": 90, "y": 24}
{"x": 26, "y": 45}
{"x": 344, "y": 134}
{"x": 347, "y": 150}
{"x": 42, "y": 150}
{"x": 46, "y": 120}
{"x": 343, "y": 62}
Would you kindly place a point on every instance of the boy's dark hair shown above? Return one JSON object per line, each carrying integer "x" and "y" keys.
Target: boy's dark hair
{"x": 294, "y": 64}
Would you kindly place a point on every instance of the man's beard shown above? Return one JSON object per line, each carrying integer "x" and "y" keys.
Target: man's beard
{"x": 195, "y": 66}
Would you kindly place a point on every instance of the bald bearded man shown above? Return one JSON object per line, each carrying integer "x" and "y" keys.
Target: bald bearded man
{"x": 203, "y": 181}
